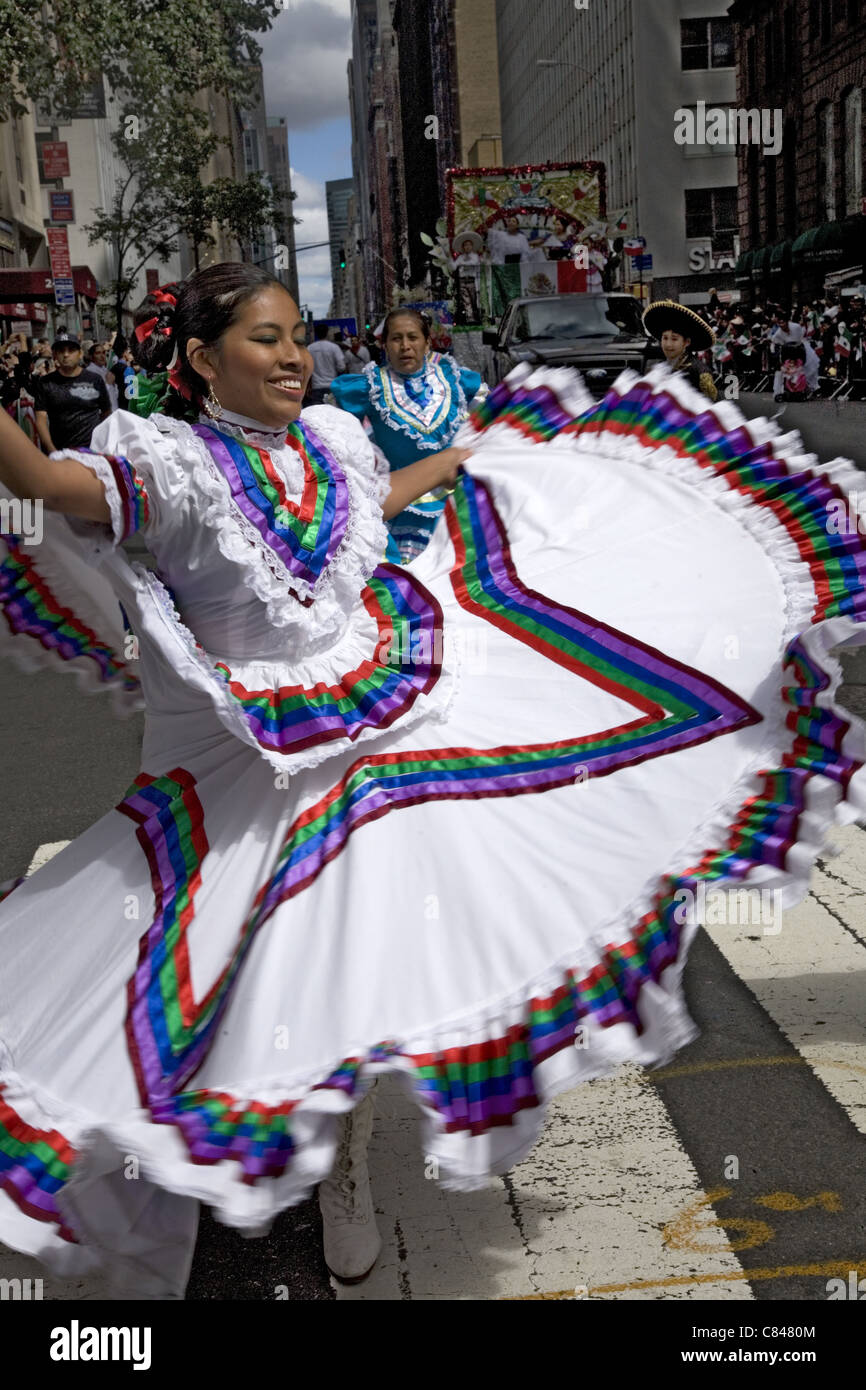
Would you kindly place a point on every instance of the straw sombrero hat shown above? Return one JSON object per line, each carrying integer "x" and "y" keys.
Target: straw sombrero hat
{"x": 460, "y": 237}
{"x": 668, "y": 314}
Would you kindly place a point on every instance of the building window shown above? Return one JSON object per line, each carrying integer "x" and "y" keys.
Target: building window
{"x": 853, "y": 108}
{"x": 702, "y": 151}
{"x": 814, "y": 20}
{"x": 706, "y": 43}
{"x": 788, "y": 42}
{"x": 754, "y": 198}
{"x": 826, "y": 162}
{"x": 769, "y": 56}
{"x": 771, "y": 207}
{"x": 854, "y": 15}
{"x": 789, "y": 177}
{"x": 826, "y": 20}
{"x": 712, "y": 212}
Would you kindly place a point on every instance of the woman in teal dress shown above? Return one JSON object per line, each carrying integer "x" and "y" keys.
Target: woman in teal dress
{"x": 415, "y": 403}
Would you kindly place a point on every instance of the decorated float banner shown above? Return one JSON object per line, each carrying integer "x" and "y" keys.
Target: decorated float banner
{"x": 559, "y": 208}
{"x": 531, "y": 279}
{"x": 441, "y": 317}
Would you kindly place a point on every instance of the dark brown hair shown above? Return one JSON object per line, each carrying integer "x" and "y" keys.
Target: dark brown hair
{"x": 423, "y": 321}
{"x": 207, "y": 304}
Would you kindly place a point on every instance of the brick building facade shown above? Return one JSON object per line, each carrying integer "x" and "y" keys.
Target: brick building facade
{"x": 801, "y": 212}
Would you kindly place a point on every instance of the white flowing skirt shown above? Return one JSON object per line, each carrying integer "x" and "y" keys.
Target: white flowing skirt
{"x": 495, "y": 904}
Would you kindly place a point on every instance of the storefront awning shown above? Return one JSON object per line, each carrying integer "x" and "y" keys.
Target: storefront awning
{"x": 780, "y": 258}
{"x": 743, "y": 268}
{"x": 760, "y": 263}
{"x": 38, "y": 285}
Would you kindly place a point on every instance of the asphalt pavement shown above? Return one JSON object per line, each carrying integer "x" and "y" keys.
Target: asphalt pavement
{"x": 830, "y": 429}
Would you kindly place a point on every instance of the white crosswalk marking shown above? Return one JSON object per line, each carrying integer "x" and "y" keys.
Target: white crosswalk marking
{"x": 809, "y": 978}
{"x": 44, "y": 853}
{"x": 588, "y": 1208}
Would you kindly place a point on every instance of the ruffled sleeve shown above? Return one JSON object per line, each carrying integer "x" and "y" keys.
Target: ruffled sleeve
{"x": 470, "y": 381}
{"x": 139, "y": 469}
{"x": 352, "y": 393}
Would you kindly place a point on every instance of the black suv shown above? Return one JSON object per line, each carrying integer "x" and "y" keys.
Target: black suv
{"x": 600, "y": 334}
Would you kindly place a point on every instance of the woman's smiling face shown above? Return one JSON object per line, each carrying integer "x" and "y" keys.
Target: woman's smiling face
{"x": 261, "y": 366}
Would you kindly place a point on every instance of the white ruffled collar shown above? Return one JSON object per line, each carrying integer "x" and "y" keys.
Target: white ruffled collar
{"x": 245, "y": 428}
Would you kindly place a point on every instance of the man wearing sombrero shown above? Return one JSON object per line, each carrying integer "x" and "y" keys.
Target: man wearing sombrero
{"x": 681, "y": 331}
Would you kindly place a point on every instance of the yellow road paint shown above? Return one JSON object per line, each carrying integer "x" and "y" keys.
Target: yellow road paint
{"x": 831, "y": 1269}
{"x": 684, "y": 1232}
{"x": 786, "y": 1201}
{"x": 699, "y": 1068}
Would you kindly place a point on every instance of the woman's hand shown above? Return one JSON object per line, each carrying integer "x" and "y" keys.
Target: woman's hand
{"x": 416, "y": 479}
{"x": 449, "y": 464}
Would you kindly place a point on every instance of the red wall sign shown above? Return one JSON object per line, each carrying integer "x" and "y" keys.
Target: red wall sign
{"x": 58, "y": 251}
{"x": 55, "y": 159}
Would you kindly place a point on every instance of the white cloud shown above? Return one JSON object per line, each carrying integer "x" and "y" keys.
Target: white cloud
{"x": 304, "y": 58}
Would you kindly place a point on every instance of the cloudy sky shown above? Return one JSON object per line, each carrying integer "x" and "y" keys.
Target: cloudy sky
{"x": 304, "y": 59}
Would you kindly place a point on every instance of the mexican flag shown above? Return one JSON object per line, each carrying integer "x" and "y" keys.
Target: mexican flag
{"x": 531, "y": 279}
{"x": 844, "y": 341}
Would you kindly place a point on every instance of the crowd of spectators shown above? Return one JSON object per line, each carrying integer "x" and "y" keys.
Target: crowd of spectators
{"x": 813, "y": 349}
{"x": 59, "y": 390}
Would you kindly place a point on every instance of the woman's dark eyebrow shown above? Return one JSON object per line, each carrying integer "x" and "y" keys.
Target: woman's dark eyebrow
{"x": 277, "y": 326}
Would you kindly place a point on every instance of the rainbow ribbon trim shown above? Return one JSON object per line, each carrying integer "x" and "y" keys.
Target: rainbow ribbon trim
{"x": 303, "y": 535}
{"x": 34, "y": 1165}
{"x": 31, "y": 609}
{"x": 800, "y": 500}
{"x": 131, "y": 491}
{"x": 406, "y": 664}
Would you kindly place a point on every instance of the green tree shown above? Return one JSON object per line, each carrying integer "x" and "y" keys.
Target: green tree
{"x": 162, "y": 198}
{"x": 145, "y": 47}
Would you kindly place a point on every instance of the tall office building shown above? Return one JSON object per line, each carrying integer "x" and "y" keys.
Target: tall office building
{"x": 607, "y": 82}
{"x": 280, "y": 170}
{"x": 338, "y": 195}
{"x": 377, "y": 152}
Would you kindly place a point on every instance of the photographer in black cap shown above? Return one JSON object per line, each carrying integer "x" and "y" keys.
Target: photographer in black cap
{"x": 70, "y": 401}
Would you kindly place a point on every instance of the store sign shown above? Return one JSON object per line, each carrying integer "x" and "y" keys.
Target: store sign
{"x": 55, "y": 160}
{"x": 62, "y": 206}
{"x": 91, "y": 104}
{"x": 703, "y": 258}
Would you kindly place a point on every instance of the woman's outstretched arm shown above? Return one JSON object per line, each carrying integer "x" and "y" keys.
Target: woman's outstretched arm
{"x": 62, "y": 485}
{"x": 416, "y": 479}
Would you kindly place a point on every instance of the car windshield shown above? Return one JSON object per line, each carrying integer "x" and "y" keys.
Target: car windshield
{"x": 578, "y": 316}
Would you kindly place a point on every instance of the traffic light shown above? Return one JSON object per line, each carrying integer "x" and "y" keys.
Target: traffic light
{"x": 342, "y": 258}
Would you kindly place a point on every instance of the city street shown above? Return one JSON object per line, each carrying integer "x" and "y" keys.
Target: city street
{"x": 735, "y": 1173}
{"x": 829, "y": 428}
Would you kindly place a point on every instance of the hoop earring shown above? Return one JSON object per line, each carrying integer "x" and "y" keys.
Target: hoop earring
{"x": 210, "y": 405}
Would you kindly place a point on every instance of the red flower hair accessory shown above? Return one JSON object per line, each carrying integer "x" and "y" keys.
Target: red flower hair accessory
{"x": 175, "y": 380}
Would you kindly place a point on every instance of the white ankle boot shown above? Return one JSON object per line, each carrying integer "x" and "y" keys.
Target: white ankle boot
{"x": 351, "y": 1239}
